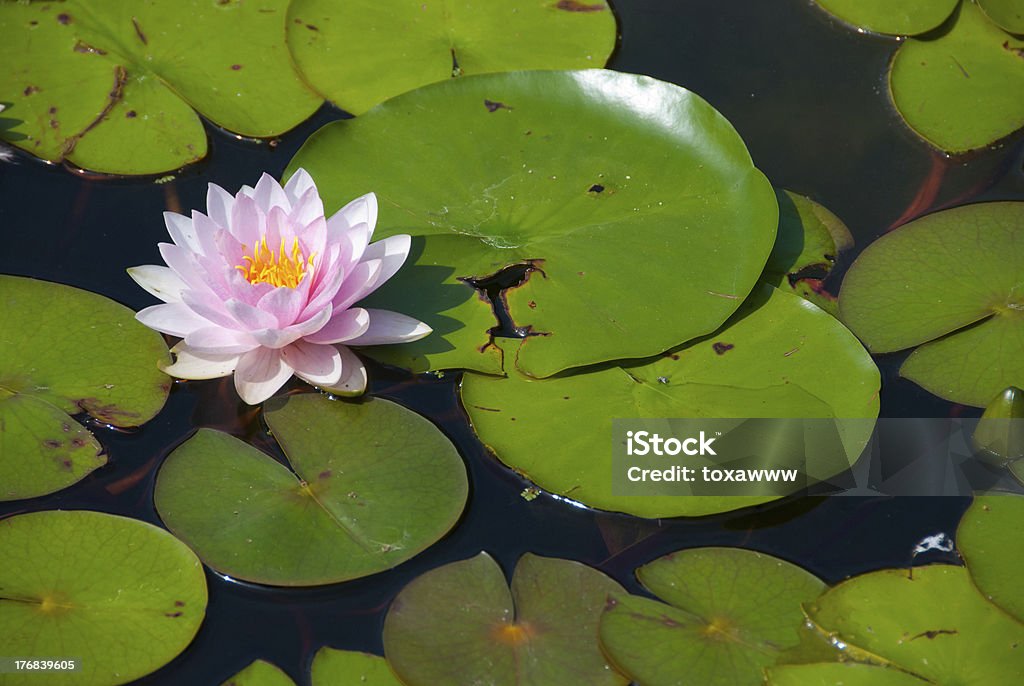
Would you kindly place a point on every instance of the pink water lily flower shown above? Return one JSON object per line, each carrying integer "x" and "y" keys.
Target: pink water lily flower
{"x": 264, "y": 286}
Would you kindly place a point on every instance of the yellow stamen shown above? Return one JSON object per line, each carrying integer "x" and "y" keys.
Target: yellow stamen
{"x": 280, "y": 269}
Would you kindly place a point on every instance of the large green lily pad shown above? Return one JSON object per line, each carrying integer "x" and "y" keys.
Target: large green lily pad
{"x": 119, "y": 596}
{"x": 460, "y": 624}
{"x": 897, "y": 17}
{"x": 634, "y": 201}
{"x": 963, "y": 89}
{"x": 260, "y": 673}
{"x": 362, "y": 52}
{"x": 729, "y": 614}
{"x": 988, "y": 538}
{"x": 952, "y": 283}
{"x": 779, "y": 356}
{"x": 114, "y": 86}
{"x": 65, "y": 351}
{"x": 337, "y": 667}
{"x": 839, "y": 674}
{"x": 1008, "y": 14}
{"x": 933, "y": 623}
{"x": 373, "y": 485}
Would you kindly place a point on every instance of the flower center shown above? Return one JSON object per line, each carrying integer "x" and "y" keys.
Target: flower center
{"x": 278, "y": 269}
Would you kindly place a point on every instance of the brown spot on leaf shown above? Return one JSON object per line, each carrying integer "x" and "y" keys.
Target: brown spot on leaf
{"x": 532, "y": 304}
{"x": 935, "y": 633}
{"x": 326, "y": 474}
{"x": 179, "y": 603}
{"x": 78, "y": 441}
{"x": 66, "y": 464}
{"x": 64, "y": 18}
{"x": 577, "y": 6}
{"x": 494, "y": 105}
{"x": 84, "y": 47}
{"x": 52, "y": 443}
{"x": 138, "y": 31}
{"x": 596, "y": 188}
{"x": 721, "y": 348}
{"x": 312, "y": 27}
{"x": 29, "y": 90}
{"x": 1019, "y": 52}
{"x": 486, "y": 409}
{"x": 65, "y": 427}
{"x": 236, "y": 67}
{"x": 131, "y": 114}
{"x": 173, "y": 614}
{"x": 53, "y": 110}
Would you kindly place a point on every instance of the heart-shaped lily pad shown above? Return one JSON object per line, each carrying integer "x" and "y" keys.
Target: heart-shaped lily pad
{"x": 1008, "y": 14}
{"x": 984, "y": 539}
{"x": 838, "y": 674}
{"x": 807, "y": 246}
{"x": 337, "y": 667}
{"x": 779, "y": 356}
{"x": 373, "y": 485}
{"x": 260, "y": 673}
{"x": 729, "y": 614}
{"x": 964, "y": 89}
{"x": 954, "y": 282}
{"x": 119, "y": 596}
{"x": 633, "y": 202}
{"x": 897, "y": 17}
{"x": 64, "y": 351}
{"x": 459, "y": 624}
{"x": 111, "y": 86}
{"x": 362, "y": 52}
{"x": 932, "y": 623}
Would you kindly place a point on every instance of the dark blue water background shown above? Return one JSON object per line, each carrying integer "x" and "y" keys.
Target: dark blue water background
{"x": 806, "y": 93}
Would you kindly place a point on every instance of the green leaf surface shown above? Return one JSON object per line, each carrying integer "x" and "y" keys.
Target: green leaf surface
{"x": 260, "y": 673}
{"x": 897, "y": 17}
{"x": 1008, "y": 14}
{"x": 839, "y": 674}
{"x": 999, "y": 435}
{"x": 987, "y": 538}
{"x": 120, "y": 596}
{"x": 779, "y": 356}
{"x": 729, "y": 614}
{"x": 373, "y": 485}
{"x": 340, "y": 667}
{"x": 115, "y": 86}
{"x": 954, "y": 281}
{"x": 933, "y": 623}
{"x": 460, "y": 624}
{"x": 64, "y": 351}
{"x": 963, "y": 89}
{"x": 633, "y": 200}
{"x": 362, "y": 52}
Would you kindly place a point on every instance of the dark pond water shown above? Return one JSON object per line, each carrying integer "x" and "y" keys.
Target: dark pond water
{"x": 807, "y": 95}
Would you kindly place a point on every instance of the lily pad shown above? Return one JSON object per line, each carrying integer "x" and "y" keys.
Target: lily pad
{"x": 954, "y": 282}
{"x": 260, "y": 673}
{"x": 999, "y": 435}
{"x": 373, "y": 485}
{"x": 729, "y": 614}
{"x": 119, "y": 596}
{"x": 933, "y": 623}
{"x": 984, "y": 539}
{"x": 335, "y": 667}
{"x": 64, "y": 351}
{"x": 779, "y": 356}
{"x": 459, "y": 624}
{"x": 964, "y": 89}
{"x": 1008, "y": 14}
{"x": 362, "y": 52}
{"x": 838, "y": 673}
{"x": 897, "y": 17}
{"x": 807, "y": 246}
{"x": 633, "y": 203}
{"x": 115, "y": 86}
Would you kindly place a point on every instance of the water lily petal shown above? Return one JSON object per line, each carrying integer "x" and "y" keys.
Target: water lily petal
{"x": 162, "y": 282}
{"x": 307, "y": 208}
{"x": 209, "y": 307}
{"x": 182, "y": 232}
{"x": 249, "y": 317}
{"x": 323, "y": 293}
{"x": 343, "y": 327}
{"x": 220, "y": 341}
{"x": 219, "y": 205}
{"x": 319, "y": 365}
{"x": 259, "y": 374}
{"x": 353, "y": 374}
{"x": 284, "y": 304}
{"x": 189, "y": 364}
{"x": 269, "y": 194}
{"x": 246, "y": 220}
{"x": 175, "y": 319}
{"x": 390, "y": 327}
{"x": 363, "y": 276}
{"x": 278, "y": 338}
{"x": 298, "y": 185}
{"x": 352, "y": 226}
{"x": 392, "y": 253}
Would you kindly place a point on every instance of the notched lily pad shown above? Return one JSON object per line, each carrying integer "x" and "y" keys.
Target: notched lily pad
{"x": 952, "y": 283}
{"x": 897, "y": 17}
{"x": 932, "y": 623}
{"x": 729, "y": 614}
{"x": 260, "y": 673}
{"x": 373, "y": 485}
{"x": 111, "y": 86}
{"x": 336, "y": 667}
{"x": 778, "y": 356}
{"x": 986, "y": 539}
{"x": 64, "y": 351}
{"x": 461, "y": 624}
{"x": 586, "y": 176}
{"x": 362, "y": 52}
{"x": 120, "y": 596}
